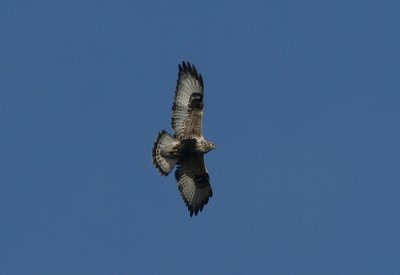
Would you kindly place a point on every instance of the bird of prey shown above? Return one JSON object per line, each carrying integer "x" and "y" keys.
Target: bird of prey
{"x": 187, "y": 146}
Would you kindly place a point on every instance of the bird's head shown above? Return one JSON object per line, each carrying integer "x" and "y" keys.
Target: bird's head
{"x": 205, "y": 146}
{"x": 210, "y": 146}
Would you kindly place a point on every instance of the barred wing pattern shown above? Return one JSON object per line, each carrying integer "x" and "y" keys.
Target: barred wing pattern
{"x": 187, "y": 146}
{"x": 193, "y": 183}
{"x": 187, "y": 110}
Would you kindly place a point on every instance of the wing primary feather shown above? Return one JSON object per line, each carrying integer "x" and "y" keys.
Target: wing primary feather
{"x": 193, "y": 183}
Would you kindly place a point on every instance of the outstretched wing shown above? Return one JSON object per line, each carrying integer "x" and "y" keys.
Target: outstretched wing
{"x": 187, "y": 110}
{"x": 193, "y": 183}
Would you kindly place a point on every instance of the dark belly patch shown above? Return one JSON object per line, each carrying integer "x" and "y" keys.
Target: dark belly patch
{"x": 188, "y": 147}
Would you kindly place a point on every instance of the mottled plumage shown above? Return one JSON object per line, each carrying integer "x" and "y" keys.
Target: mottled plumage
{"x": 187, "y": 146}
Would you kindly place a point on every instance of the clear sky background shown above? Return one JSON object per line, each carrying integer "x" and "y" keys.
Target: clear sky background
{"x": 302, "y": 100}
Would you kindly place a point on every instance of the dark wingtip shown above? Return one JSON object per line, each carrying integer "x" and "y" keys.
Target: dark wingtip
{"x": 183, "y": 67}
{"x": 186, "y": 66}
{"x": 195, "y": 211}
{"x": 192, "y": 210}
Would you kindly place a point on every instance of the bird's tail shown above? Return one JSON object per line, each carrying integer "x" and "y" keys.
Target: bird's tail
{"x": 163, "y": 153}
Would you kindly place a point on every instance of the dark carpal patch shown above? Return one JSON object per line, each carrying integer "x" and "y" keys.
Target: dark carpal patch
{"x": 202, "y": 181}
{"x": 196, "y": 101}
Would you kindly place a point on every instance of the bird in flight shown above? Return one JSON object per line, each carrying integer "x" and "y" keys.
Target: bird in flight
{"x": 187, "y": 146}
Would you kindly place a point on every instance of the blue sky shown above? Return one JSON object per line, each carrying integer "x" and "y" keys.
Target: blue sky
{"x": 302, "y": 99}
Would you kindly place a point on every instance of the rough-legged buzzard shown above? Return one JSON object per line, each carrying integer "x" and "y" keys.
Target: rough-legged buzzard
{"x": 187, "y": 146}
